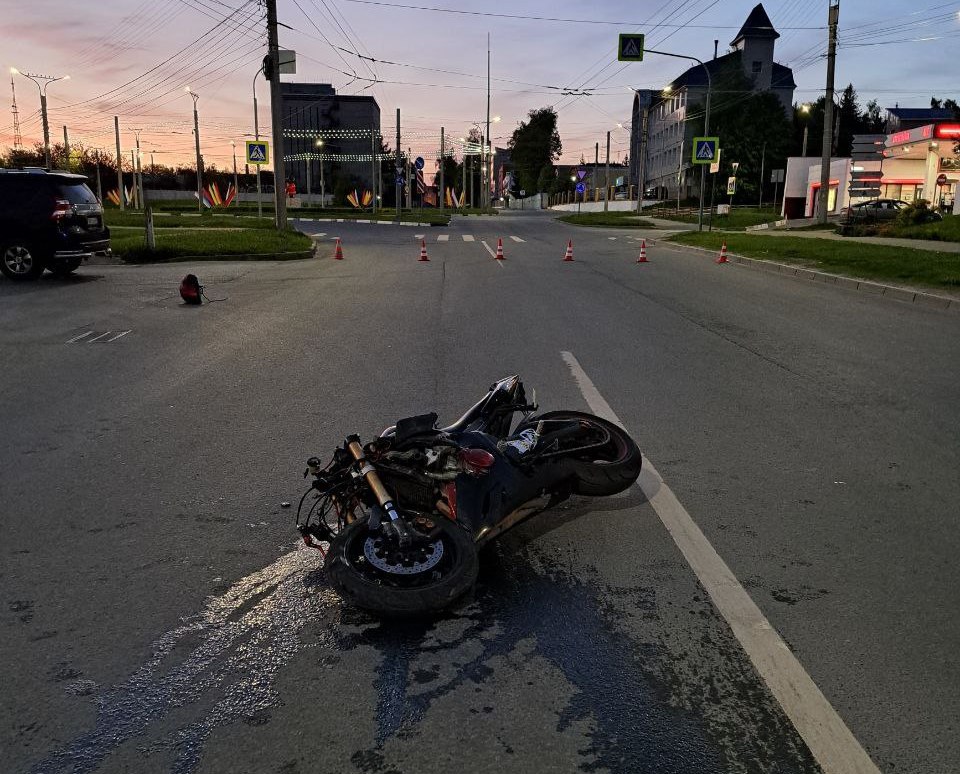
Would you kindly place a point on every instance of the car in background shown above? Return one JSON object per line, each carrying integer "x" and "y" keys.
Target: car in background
{"x": 880, "y": 209}
{"x": 48, "y": 220}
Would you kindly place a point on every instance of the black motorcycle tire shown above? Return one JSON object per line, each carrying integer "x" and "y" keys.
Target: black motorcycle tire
{"x": 389, "y": 601}
{"x": 600, "y": 477}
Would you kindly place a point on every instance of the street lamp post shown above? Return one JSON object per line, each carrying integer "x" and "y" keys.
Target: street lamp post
{"x": 236, "y": 186}
{"x": 196, "y": 137}
{"x": 706, "y": 121}
{"x": 805, "y": 109}
{"x": 42, "y": 81}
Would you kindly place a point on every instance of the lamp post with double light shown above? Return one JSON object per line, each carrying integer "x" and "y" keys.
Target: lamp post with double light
{"x": 42, "y": 81}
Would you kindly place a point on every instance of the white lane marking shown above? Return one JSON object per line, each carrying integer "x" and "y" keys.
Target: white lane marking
{"x": 118, "y": 336}
{"x": 415, "y": 236}
{"x": 443, "y": 238}
{"x": 90, "y": 341}
{"x": 612, "y": 239}
{"x": 468, "y": 238}
{"x": 517, "y": 239}
{"x": 81, "y": 336}
{"x": 830, "y": 741}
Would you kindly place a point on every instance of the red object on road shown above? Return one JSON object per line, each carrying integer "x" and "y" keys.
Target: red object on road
{"x": 191, "y": 291}
{"x": 569, "y": 255}
{"x": 723, "y": 254}
{"x": 643, "y": 252}
{"x": 338, "y": 253}
{"x": 499, "y": 255}
{"x": 423, "y": 250}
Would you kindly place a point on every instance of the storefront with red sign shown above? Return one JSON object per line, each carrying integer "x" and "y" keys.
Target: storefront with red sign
{"x": 922, "y": 163}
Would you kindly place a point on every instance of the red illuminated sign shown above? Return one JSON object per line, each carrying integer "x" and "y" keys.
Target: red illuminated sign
{"x": 948, "y": 131}
{"x": 914, "y": 135}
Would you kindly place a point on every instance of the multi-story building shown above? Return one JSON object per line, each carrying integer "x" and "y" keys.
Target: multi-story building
{"x": 671, "y": 127}
{"x": 346, "y": 121}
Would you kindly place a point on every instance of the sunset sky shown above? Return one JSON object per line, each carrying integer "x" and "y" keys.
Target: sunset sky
{"x": 133, "y": 58}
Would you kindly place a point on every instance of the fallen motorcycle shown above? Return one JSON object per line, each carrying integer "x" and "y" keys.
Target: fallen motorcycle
{"x": 404, "y": 515}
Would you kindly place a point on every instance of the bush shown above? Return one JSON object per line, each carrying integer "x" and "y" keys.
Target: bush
{"x": 914, "y": 214}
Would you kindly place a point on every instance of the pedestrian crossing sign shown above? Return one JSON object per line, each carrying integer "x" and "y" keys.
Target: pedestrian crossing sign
{"x": 705, "y": 149}
{"x": 258, "y": 152}
{"x": 630, "y": 48}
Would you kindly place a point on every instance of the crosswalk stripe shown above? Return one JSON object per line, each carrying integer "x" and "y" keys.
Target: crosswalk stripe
{"x": 81, "y": 336}
{"x": 468, "y": 238}
{"x": 443, "y": 238}
{"x": 517, "y": 239}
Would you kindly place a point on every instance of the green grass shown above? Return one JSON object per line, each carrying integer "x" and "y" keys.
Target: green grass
{"x": 186, "y": 243}
{"x": 737, "y": 220}
{"x": 607, "y": 219}
{"x": 853, "y": 259}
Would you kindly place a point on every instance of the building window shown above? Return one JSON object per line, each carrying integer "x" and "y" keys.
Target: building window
{"x": 757, "y": 67}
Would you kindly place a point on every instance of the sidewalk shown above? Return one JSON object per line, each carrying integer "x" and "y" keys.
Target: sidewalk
{"x": 917, "y": 244}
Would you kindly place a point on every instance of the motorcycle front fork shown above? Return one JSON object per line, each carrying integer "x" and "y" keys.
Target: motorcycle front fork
{"x": 369, "y": 474}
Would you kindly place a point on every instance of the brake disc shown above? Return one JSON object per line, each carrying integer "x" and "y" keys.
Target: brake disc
{"x": 423, "y": 557}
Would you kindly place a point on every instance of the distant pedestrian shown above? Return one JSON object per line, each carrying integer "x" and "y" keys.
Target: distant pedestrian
{"x": 291, "y": 189}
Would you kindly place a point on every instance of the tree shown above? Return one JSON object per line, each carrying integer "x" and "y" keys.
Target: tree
{"x": 753, "y": 129}
{"x": 534, "y": 144}
{"x": 546, "y": 178}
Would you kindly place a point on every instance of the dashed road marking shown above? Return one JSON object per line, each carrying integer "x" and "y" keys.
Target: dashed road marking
{"x": 832, "y": 744}
{"x": 517, "y": 239}
{"x": 468, "y": 238}
{"x": 83, "y": 337}
{"x": 419, "y": 236}
{"x": 443, "y": 238}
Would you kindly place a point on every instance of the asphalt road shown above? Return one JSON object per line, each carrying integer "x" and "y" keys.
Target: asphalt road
{"x": 158, "y": 615}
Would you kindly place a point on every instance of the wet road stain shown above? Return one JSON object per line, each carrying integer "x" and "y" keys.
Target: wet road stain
{"x": 219, "y": 669}
{"x": 233, "y": 652}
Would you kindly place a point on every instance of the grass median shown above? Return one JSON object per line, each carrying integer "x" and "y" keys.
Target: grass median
{"x": 881, "y": 263}
{"x": 208, "y": 244}
{"x": 737, "y": 220}
{"x": 607, "y": 220}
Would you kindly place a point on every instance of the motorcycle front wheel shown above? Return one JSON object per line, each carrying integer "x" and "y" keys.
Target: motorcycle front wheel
{"x": 372, "y": 572}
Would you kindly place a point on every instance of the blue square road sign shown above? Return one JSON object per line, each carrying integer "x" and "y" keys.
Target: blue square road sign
{"x": 705, "y": 149}
{"x": 258, "y": 152}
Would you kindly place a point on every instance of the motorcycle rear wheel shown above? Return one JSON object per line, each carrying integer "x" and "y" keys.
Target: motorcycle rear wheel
{"x": 604, "y": 471}
{"x": 385, "y": 593}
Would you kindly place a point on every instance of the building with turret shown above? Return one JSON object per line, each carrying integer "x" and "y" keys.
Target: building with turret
{"x": 677, "y": 111}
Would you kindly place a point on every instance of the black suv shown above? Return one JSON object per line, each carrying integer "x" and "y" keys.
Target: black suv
{"x": 48, "y": 220}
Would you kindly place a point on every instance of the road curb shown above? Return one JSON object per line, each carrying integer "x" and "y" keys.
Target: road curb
{"x": 367, "y": 222}
{"x": 927, "y": 300}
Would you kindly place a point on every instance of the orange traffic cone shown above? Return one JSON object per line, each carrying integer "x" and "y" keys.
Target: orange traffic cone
{"x": 723, "y": 254}
{"x": 643, "y": 252}
{"x": 338, "y": 253}
{"x": 423, "y": 250}
{"x": 499, "y": 255}
{"x": 569, "y": 255}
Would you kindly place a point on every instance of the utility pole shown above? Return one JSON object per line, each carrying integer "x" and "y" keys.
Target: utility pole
{"x": 399, "y": 168}
{"x": 606, "y": 192}
{"x": 99, "y": 184}
{"x": 309, "y": 160}
{"x": 116, "y": 131}
{"x": 485, "y": 177}
{"x": 409, "y": 178}
{"x": 276, "y": 118}
{"x": 66, "y": 149}
{"x": 642, "y": 182}
{"x": 196, "y": 140}
{"x": 46, "y": 81}
{"x": 824, "y": 195}
{"x": 373, "y": 168}
{"x": 442, "y": 192}
{"x": 463, "y": 193}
